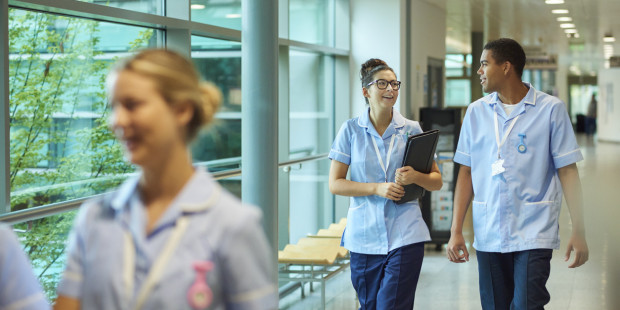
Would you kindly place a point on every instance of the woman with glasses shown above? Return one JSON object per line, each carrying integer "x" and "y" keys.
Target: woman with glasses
{"x": 386, "y": 240}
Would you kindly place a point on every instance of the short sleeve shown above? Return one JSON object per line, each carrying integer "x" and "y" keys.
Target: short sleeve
{"x": 249, "y": 275}
{"x": 341, "y": 148}
{"x": 564, "y": 147}
{"x": 19, "y": 288}
{"x": 463, "y": 150}
{"x": 70, "y": 284}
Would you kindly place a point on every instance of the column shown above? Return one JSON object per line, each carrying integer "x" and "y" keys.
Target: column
{"x": 476, "y": 50}
{"x": 259, "y": 111}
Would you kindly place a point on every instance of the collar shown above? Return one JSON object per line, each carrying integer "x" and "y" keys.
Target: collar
{"x": 194, "y": 196}
{"x": 529, "y": 99}
{"x": 398, "y": 121}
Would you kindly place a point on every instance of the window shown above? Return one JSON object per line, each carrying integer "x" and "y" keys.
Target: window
{"x": 458, "y": 84}
{"x": 311, "y": 99}
{"x": 61, "y": 147}
{"x": 312, "y": 21}
{"x": 219, "y": 146}
{"x": 222, "y": 13}
{"x": 144, "y": 6}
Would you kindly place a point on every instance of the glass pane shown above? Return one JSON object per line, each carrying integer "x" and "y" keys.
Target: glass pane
{"x": 312, "y": 21}
{"x": 222, "y": 13}
{"x": 455, "y": 65}
{"x": 44, "y": 240}
{"x": 219, "y": 61}
{"x": 311, "y": 102}
{"x": 144, "y": 6}
{"x": 60, "y": 144}
{"x": 311, "y": 203}
{"x": 61, "y": 147}
{"x": 458, "y": 92}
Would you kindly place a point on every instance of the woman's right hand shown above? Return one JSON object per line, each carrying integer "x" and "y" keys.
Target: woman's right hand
{"x": 391, "y": 191}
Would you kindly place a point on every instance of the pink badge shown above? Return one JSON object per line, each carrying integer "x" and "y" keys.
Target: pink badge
{"x": 199, "y": 295}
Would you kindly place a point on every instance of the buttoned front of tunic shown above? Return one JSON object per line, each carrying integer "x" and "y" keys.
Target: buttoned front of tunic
{"x": 519, "y": 208}
{"x": 105, "y": 271}
{"x": 377, "y": 225}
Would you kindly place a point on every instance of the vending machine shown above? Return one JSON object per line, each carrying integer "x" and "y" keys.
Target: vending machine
{"x": 437, "y": 205}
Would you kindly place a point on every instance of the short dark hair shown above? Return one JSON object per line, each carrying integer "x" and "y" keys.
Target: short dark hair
{"x": 370, "y": 68}
{"x": 506, "y": 49}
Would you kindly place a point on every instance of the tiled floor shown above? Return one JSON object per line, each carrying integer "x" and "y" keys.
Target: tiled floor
{"x": 594, "y": 286}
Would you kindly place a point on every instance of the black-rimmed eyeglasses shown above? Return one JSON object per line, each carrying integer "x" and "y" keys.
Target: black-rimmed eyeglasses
{"x": 382, "y": 84}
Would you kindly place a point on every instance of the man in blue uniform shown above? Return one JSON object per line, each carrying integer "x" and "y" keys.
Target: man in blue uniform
{"x": 518, "y": 154}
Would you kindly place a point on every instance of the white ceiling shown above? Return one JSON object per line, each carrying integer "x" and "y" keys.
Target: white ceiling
{"x": 532, "y": 24}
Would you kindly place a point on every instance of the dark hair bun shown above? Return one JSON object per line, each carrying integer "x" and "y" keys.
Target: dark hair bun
{"x": 370, "y": 64}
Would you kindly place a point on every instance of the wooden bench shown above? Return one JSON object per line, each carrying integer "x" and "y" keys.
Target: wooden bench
{"x": 316, "y": 258}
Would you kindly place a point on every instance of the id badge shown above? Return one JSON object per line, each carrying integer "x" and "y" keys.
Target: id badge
{"x": 497, "y": 167}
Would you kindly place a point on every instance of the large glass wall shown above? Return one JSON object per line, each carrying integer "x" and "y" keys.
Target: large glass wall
{"x": 60, "y": 145}
{"x": 62, "y": 149}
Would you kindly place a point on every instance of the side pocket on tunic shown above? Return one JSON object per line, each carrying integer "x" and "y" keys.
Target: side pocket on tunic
{"x": 479, "y": 210}
{"x": 539, "y": 220}
{"x": 354, "y": 234}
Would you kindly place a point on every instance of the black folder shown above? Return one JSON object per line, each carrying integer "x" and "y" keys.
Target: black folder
{"x": 419, "y": 155}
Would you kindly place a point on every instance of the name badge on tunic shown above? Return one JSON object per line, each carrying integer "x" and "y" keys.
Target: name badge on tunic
{"x": 497, "y": 167}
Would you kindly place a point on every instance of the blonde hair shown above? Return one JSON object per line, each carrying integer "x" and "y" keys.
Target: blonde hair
{"x": 177, "y": 81}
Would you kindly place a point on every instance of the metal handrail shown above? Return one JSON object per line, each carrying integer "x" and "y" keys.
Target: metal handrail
{"x": 69, "y": 205}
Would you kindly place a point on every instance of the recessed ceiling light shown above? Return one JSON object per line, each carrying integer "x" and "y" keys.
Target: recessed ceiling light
{"x": 233, "y": 15}
{"x": 559, "y": 11}
{"x": 567, "y": 25}
{"x": 609, "y": 39}
{"x": 554, "y": 1}
{"x": 197, "y": 6}
{"x": 570, "y": 30}
{"x": 565, "y": 19}
{"x": 576, "y": 36}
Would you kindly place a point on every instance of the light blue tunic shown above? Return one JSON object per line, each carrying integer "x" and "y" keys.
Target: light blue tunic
{"x": 518, "y": 209}
{"x": 219, "y": 229}
{"x": 19, "y": 288}
{"x": 377, "y": 225}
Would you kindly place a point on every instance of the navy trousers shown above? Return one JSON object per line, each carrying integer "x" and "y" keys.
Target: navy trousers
{"x": 387, "y": 281}
{"x": 515, "y": 280}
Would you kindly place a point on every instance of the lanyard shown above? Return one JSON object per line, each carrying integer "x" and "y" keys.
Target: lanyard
{"x": 499, "y": 144}
{"x": 389, "y": 153}
{"x": 160, "y": 263}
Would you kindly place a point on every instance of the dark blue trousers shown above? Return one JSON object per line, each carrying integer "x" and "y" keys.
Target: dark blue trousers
{"x": 387, "y": 281}
{"x": 515, "y": 280}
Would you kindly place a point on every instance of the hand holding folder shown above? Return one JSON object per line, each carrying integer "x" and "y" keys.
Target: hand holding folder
{"x": 419, "y": 153}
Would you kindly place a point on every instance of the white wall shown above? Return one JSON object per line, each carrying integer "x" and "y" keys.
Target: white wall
{"x": 378, "y": 30}
{"x": 428, "y": 39}
{"x": 608, "y": 120}
{"x": 375, "y": 33}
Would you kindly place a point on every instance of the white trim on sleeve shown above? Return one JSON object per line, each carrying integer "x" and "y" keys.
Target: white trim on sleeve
{"x": 464, "y": 153}
{"x": 341, "y": 153}
{"x": 573, "y": 151}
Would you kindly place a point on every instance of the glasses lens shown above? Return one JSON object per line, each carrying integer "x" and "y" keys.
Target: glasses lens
{"x": 395, "y": 85}
{"x": 382, "y": 84}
